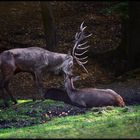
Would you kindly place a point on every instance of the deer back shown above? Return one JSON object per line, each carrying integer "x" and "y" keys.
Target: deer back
{"x": 58, "y": 94}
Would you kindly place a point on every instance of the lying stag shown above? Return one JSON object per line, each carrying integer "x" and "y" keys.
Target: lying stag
{"x": 59, "y": 95}
{"x": 92, "y": 97}
{"x": 35, "y": 59}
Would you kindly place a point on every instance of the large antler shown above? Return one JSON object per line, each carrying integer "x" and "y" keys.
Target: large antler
{"x": 80, "y": 36}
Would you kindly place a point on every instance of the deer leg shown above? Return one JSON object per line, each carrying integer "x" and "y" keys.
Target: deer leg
{"x": 34, "y": 79}
{"x": 6, "y": 86}
{"x": 7, "y": 73}
{"x": 3, "y": 94}
{"x": 7, "y": 70}
{"x": 39, "y": 84}
{"x": 82, "y": 103}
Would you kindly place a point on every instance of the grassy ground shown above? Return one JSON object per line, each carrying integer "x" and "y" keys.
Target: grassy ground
{"x": 105, "y": 122}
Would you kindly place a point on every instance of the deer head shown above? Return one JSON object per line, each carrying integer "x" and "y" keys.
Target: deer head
{"x": 69, "y": 79}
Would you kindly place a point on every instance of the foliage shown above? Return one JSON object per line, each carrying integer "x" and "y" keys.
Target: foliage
{"x": 102, "y": 122}
{"x": 120, "y": 7}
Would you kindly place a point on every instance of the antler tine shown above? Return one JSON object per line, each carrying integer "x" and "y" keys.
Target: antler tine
{"x": 88, "y": 35}
{"x": 78, "y": 59}
{"x": 76, "y": 35}
{"x": 83, "y": 67}
{"x": 83, "y": 48}
{"x": 81, "y": 62}
{"x": 84, "y": 62}
{"x": 81, "y": 53}
{"x": 80, "y": 36}
{"x": 82, "y": 44}
{"x": 81, "y": 26}
{"x": 82, "y": 58}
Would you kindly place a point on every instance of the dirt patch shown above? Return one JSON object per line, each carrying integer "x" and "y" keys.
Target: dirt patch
{"x": 28, "y": 114}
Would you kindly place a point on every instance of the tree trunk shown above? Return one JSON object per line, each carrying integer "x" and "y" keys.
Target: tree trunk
{"x": 134, "y": 34}
{"x": 49, "y": 25}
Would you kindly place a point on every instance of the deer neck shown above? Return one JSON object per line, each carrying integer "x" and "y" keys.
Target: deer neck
{"x": 70, "y": 88}
{"x": 56, "y": 61}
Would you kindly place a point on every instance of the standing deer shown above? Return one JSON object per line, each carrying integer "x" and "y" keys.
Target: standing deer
{"x": 34, "y": 59}
{"x": 92, "y": 97}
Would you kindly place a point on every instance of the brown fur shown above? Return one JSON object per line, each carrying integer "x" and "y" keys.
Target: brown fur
{"x": 92, "y": 97}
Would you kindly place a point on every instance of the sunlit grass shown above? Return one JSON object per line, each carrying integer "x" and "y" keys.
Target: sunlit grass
{"x": 24, "y": 101}
{"x": 102, "y": 123}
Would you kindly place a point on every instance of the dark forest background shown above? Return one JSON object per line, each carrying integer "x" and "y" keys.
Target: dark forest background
{"x": 114, "y": 53}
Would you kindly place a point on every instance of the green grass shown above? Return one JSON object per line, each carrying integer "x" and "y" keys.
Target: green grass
{"x": 106, "y": 122}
